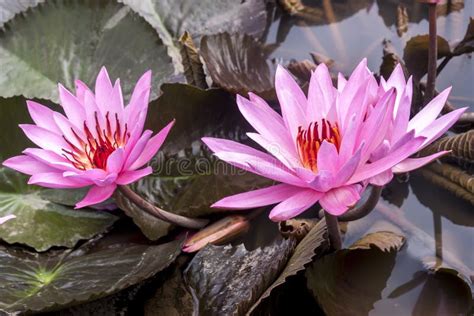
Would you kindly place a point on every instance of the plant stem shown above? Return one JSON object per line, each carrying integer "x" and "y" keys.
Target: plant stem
{"x": 364, "y": 209}
{"x": 432, "y": 53}
{"x": 155, "y": 211}
{"x": 333, "y": 231}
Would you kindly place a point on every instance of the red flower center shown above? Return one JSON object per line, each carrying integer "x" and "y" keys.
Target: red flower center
{"x": 309, "y": 140}
{"x": 94, "y": 152}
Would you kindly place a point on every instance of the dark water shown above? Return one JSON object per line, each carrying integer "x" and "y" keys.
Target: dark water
{"x": 357, "y": 30}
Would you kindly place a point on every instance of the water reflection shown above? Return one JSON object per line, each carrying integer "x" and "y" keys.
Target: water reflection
{"x": 358, "y": 29}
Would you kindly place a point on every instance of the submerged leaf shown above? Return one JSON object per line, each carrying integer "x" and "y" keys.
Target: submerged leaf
{"x": 239, "y": 63}
{"x": 355, "y": 276}
{"x": 79, "y": 38}
{"x": 36, "y": 283}
{"x": 42, "y": 224}
{"x": 415, "y": 54}
{"x": 228, "y": 280}
{"x": 187, "y": 178}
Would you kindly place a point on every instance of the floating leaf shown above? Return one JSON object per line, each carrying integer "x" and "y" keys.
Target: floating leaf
{"x": 450, "y": 178}
{"x": 9, "y": 9}
{"x": 171, "y": 296}
{"x": 36, "y": 283}
{"x": 314, "y": 244}
{"x": 192, "y": 64}
{"x": 188, "y": 179}
{"x": 415, "y": 54}
{"x": 239, "y": 63}
{"x": 227, "y": 280}
{"x": 355, "y": 276}
{"x": 460, "y": 145}
{"x": 40, "y": 223}
{"x": 79, "y": 38}
{"x": 171, "y": 18}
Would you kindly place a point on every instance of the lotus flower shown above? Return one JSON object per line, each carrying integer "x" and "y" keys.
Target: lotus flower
{"x": 98, "y": 144}
{"x": 328, "y": 146}
{"x": 4, "y": 219}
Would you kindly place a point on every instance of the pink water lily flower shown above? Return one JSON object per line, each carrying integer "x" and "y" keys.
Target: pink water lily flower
{"x": 328, "y": 146}
{"x": 99, "y": 143}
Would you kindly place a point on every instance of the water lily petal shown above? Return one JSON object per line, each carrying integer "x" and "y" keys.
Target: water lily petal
{"x": 152, "y": 147}
{"x": 136, "y": 150}
{"x": 440, "y": 126}
{"x": 42, "y": 116}
{"x": 50, "y": 158}
{"x": 372, "y": 169}
{"x": 429, "y": 113}
{"x": 290, "y": 160}
{"x": 410, "y": 164}
{"x": 28, "y": 165}
{"x": 339, "y": 200}
{"x": 4, "y": 219}
{"x": 74, "y": 110}
{"x": 292, "y": 100}
{"x": 115, "y": 161}
{"x": 103, "y": 89}
{"x": 257, "y": 198}
{"x": 295, "y": 205}
{"x": 128, "y": 177}
{"x": 56, "y": 180}
{"x": 321, "y": 93}
{"x": 45, "y": 138}
{"x": 97, "y": 195}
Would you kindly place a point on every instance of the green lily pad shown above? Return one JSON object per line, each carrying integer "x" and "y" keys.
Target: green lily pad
{"x": 10, "y": 8}
{"x": 41, "y": 282}
{"x": 171, "y": 18}
{"x": 187, "y": 178}
{"x": 226, "y": 280}
{"x": 40, "y": 223}
{"x": 81, "y": 37}
{"x": 355, "y": 276}
{"x": 415, "y": 54}
{"x": 239, "y": 63}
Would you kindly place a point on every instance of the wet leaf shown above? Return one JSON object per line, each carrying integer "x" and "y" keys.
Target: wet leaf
{"x": 390, "y": 60}
{"x": 301, "y": 70}
{"x": 415, "y": 54}
{"x": 402, "y": 20}
{"x": 239, "y": 63}
{"x": 171, "y": 18}
{"x": 460, "y": 145}
{"x": 9, "y": 9}
{"x": 40, "y": 282}
{"x": 467, "y": 44}
{"x": 450, "y": 178}
{"x": 192, "y": 64}
{"x": 355, "y": 276}
{"x": 79, "y": 37}
{"x": 228, "y": 280}
{"x": 171, "y": 298}
{"x": 42, "y": 224}
{"x": 314, "y": 244}
{"x": 188, "y": 178}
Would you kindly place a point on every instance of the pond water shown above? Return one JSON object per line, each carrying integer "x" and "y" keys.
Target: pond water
{"x": 357, "y": 30}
